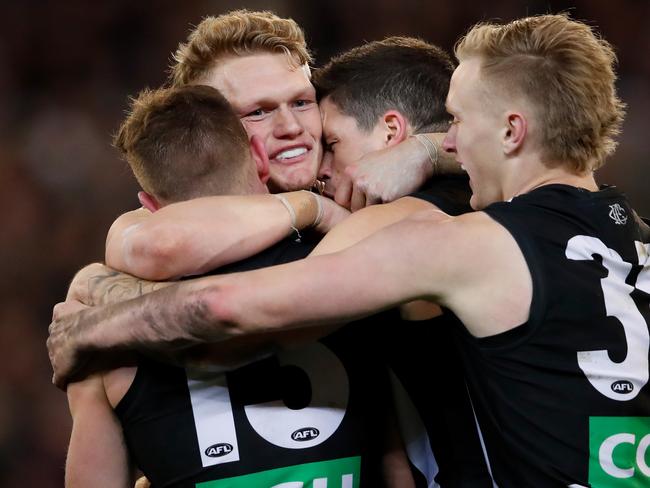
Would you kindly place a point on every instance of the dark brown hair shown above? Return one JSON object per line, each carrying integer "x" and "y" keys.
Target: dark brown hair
{"x": 397, "y": 73}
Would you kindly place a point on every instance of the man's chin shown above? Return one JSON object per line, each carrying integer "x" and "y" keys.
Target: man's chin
{"x": 297, "y": 180}
{"x": 475, "y": 203}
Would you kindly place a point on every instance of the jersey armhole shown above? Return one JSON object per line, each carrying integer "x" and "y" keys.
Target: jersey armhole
{"x": 131, "y": 394}
{"x": 538, "y": 305}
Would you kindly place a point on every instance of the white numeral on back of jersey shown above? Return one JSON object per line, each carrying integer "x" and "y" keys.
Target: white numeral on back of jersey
{"x": 314, "y": 424}
{"x": 274, "y": 421}
{"x": 213, "y": 413}
{"x": 619, "y": 381}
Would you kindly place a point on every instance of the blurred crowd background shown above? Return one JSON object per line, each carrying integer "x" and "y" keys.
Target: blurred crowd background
{"x": 66, "y": 71}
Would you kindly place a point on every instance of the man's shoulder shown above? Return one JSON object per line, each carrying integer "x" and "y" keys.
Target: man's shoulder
{"x": 450, "y": 193}
{"x": 290, "y": 249}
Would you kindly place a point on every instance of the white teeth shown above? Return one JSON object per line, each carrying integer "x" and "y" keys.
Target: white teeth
{"x": 292, "y": 153}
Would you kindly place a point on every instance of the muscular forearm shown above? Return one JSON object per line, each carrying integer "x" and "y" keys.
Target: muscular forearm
{"x": 217, "y": 308}
{"x": 322, "y": 290}
{"x": 198, "y": 235}
{"x": 177, "y": 317}
{"x": 97, "y": 284}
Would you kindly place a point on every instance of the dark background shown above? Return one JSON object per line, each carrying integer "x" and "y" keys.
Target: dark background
{"x": 66, "y": 70}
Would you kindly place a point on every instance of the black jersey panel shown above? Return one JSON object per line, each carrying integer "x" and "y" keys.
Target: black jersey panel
{"x": 450, "y": 193}
{"x": 313, "y": 413}
{"x": 564, "y": 400}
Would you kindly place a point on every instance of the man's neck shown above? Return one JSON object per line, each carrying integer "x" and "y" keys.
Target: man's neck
{"x": 541, "y": 175}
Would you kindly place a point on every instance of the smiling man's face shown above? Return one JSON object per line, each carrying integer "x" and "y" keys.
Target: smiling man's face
{"x": 277, "y": 102}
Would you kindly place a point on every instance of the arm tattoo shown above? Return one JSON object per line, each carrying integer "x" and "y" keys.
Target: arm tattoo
{"x": 114, "y": 286}
{"x": 176, "y": 320}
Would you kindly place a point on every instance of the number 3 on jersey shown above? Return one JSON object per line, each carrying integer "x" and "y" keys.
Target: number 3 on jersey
{"x": 272, "y": 420}
{"x": 619, "y": 381}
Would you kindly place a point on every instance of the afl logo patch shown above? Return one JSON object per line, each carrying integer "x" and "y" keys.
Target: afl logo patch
{"x": 622, "y": 386}
{"x": 218, "y": 450}
{"x": 305, "y": 434}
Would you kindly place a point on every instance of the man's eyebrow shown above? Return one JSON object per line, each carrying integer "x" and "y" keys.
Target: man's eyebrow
{"x": 301, "y": 92}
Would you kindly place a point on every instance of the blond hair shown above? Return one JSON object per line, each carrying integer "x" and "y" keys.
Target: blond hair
{"x": 567, "y": 74}
{"x": 236, "y": 33}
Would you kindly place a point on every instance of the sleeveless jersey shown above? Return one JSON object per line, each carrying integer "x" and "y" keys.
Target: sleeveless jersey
{"x": 563, "y": 400}
{"x": 312, "y": 415}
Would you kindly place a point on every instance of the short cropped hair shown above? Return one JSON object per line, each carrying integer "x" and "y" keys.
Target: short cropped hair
{"x": 237, "y": 33}
{"x": 400, "y": 73}
{"x": 185, "y": 142}
{"x": 567, "y": 74}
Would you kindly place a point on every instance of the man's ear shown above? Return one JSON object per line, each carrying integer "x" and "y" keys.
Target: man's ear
{"x": 261, "y": 158}
{"x": 148, "y": 201}
{"x": 514, "y": 132}
{"x": 395, "y": 126}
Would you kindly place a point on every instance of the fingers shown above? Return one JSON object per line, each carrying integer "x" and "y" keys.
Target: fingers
{"x": 68, "y": 307}
{"x": 56, "y": 314}
{"x": 373, "y": 199}
{"x": 142, "y": 483}
{"x": 344, "y": 193}
{"x": 63, "y": 357}
{"x": 358, "y": 199}
{"x": 59, "y": 382}
{"x": 57, "y": 379}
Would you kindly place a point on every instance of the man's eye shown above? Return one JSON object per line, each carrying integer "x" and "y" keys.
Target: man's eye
{"x": 302, "y": 103}
{"x": 257, "y": 113}
{"x": 328, "y": 146}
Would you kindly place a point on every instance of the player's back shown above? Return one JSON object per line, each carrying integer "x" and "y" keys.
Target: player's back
{"x": 312, "y": 414}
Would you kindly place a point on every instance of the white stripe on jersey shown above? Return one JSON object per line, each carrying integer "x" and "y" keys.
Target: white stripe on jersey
{"x": 480, "y": 436}
{"x": 414, "y": 433}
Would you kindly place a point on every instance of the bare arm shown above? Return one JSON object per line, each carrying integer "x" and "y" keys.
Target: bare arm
{"x": 202, "y": 234}
{"x": 386, "y": 175}
{"x": 369, "y": 220}
{"x": 97, "y": 454}
{"x": 474, "y": 257}
{"x": 96, "y": 284}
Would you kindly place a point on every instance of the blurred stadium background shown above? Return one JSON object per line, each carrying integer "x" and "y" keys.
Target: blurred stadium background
{"x": 66, "y": 70}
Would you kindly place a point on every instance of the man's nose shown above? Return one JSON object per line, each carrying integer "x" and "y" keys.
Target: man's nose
{"x": 449, "y": 142}
{"x": 287, "y": 124}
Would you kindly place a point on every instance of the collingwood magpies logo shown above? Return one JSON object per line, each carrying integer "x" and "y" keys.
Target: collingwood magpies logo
{"x": 617, "y": 214}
